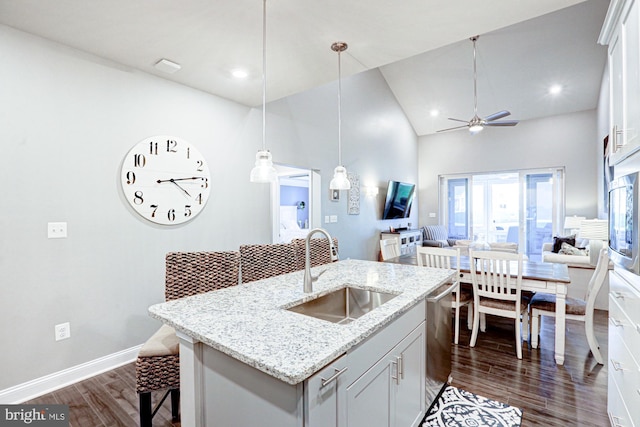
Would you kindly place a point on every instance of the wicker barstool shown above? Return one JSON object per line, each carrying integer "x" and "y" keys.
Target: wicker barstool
{"x": 319, "y": 251}
{"x": 263, "y": 261}
{"x": 158, "y": 363}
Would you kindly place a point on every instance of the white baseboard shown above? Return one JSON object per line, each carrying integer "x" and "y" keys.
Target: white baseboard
{"x": 43, "y": 385}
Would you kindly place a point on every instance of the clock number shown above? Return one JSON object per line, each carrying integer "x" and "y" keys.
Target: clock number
{"x": 137, "y": 199}
{"x": 131, "y": 177}
{"x": 153, "y": 213}
{"x": 188, "y": 152}
{"x": 205, "y": 183}
{"x": 153, "y": 148}
{"x": 139, "y": 160}
{"x": 187, "y": 210}
{"x": 171, "y": 215}
{"x": 200, "y": 164}
{"x": 171, "y": 145}
{"x": 199, "y": 198}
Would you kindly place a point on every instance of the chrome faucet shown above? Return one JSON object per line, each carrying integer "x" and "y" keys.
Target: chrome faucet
{"x": 333, "y": 252}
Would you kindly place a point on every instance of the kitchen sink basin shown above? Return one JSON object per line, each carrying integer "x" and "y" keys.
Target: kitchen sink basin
{"x": 343, "y": 305}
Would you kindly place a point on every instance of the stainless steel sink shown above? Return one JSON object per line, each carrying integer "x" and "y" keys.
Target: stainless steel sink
{"x": 343, "y": 305}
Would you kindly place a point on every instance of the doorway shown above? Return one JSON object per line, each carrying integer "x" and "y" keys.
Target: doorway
{"x": 295, "y": 203}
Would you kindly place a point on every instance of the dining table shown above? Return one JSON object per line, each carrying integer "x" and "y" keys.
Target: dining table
{"x": 548, "y": 277}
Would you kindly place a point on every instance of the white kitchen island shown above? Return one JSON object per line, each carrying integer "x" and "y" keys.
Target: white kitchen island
{"x": 246, "y": 360}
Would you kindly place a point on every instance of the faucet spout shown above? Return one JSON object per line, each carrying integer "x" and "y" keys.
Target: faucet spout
{"x": 333, "y": 252}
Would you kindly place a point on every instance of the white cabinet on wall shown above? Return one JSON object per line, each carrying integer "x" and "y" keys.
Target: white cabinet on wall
{"x": 621, "y": 31}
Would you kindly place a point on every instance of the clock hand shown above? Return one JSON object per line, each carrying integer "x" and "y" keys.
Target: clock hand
{"x": 173, "y": 181}
{"x": 179, "y": 179}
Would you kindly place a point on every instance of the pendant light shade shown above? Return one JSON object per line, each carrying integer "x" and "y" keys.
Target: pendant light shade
{"x": 264, "y": 171}
{"x": 340, "y": 180}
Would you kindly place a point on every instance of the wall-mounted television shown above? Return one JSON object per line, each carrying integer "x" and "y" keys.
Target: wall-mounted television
{"x": 398, "y": 201}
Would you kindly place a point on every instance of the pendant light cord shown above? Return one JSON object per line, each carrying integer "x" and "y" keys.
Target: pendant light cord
{"x": 475, "y": 79}
{"x": 264, "y": 75}
{"x": 339, "y": 110}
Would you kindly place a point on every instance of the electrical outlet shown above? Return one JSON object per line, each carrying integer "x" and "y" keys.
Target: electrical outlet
{"x": 57, "y": 230}
{"x": 62, "y": 331}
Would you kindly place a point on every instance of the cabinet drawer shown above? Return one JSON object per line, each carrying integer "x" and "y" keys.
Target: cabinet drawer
{"x": 626, "y": 295}
{"x": 621, "y": 327}
{"x": 616, "y": 408}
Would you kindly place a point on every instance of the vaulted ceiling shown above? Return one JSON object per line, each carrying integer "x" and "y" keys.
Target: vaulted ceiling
{"x": 422, "y": 47}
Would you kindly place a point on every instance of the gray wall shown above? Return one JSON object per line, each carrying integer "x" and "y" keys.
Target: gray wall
{"x": 66, "y": 121}
{"x": 569, "y": 140}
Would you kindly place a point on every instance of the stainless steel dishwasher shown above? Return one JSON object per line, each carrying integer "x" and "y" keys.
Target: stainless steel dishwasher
{"x": 438, "y": 340}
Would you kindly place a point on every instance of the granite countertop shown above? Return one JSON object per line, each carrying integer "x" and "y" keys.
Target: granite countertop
{"x": 248, "y": 322}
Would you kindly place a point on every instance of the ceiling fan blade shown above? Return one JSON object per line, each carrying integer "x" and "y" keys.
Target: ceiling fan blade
{"x": 458, "y": 120}
{"x": 502, "y": 123}
{"x": 455, "y": 128}
{"x": 498, "y": 115}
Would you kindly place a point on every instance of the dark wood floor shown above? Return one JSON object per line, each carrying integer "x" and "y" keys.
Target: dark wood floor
{"x": 549, "y": 395}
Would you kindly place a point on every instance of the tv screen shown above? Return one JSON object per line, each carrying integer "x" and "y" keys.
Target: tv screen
{"x": 398, "y": 201}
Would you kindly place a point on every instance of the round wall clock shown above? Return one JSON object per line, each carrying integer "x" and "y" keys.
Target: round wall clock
{"x": 165, "y": 179}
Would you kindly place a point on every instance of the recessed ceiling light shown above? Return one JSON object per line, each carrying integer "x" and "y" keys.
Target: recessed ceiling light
{"x": 555, "y": 89}
{"x": 434, "y": 113}
{"x": 167, "y": 66}
{"x": 239, "y": 73}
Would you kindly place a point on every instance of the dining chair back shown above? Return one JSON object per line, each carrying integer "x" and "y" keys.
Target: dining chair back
{"x": 543, "y": 304}
{"x": 320, "y": 251}
{"x": 264, "y": 261}
{"x": 158, "y": 361}
{"x": 389, "y": 249}
{"x": 449, "y": 259}
{"x": 497, "y": 290}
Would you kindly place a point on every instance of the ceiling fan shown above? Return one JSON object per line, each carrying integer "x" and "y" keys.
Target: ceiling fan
{"x": 476, "y": 124}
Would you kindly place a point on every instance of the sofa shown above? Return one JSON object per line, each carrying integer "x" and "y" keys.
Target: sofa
{"x": 580, "y": 272}
{"x": 436, "y": 236}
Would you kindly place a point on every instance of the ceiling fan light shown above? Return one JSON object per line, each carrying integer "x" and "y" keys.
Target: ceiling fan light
{"x": 475, "y": 128}
{"x": 340, "y": 180}
{"x": 263, "y": 171}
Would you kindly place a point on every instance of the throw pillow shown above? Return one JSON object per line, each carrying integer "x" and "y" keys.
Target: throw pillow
{"x": 558, "y": 241}
{"x": 567, "y": 249}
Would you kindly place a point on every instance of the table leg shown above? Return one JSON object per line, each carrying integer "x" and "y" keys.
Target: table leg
{"x": 561, "y": 295}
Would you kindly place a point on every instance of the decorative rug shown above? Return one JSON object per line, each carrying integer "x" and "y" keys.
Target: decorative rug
{"x": 460, "y": 408}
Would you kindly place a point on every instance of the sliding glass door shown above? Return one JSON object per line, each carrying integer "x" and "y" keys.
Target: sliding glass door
{"x": 523, "y": 207}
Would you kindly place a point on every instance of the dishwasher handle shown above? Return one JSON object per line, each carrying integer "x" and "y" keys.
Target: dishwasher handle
{"x": 443, "y": 294}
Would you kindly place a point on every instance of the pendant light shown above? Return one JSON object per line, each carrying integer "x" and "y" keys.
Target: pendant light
{"x": 340, "y": 180}
{"x": 264, "y": 171}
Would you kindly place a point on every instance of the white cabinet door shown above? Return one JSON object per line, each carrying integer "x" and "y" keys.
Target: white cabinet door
{"x": 631, "y": 67}
{"x": 410, "y": 387}
{"x": 391, "y": 393}
{"x": 325, "y": 396}
{"x": 369, "y": 398}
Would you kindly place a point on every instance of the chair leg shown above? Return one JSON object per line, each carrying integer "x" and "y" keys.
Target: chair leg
{"x": 476, "y": 326}
{"x": 518, "y": 340}
{"x": 457, "y": 325}
{"x": 470, "y": 316}
{"x": 535, "y": 328}
{"x": 525, "y": 326}
{"x": 591, "y": 339}
{"x": 146, "y": 410}
{"x": 483, "y": 322}
{"x": 175, "y": 404}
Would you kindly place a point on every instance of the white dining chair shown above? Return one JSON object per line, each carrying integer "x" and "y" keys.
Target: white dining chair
{"x": 497, "y": 290}
{"x": 450, "y": 259}
{"x": 543, "y": 304}
{"x": 389, "y": 249}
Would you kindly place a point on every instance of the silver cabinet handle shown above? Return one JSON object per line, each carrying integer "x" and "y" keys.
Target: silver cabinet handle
{"x": 616, "y": 322}
{"x": 397, "y": 377}
{"x": 401, "y": 366}
{"x": 618, "y": 294}
{"x": 617, "y": 365}
{"x": 333, "y": 377}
